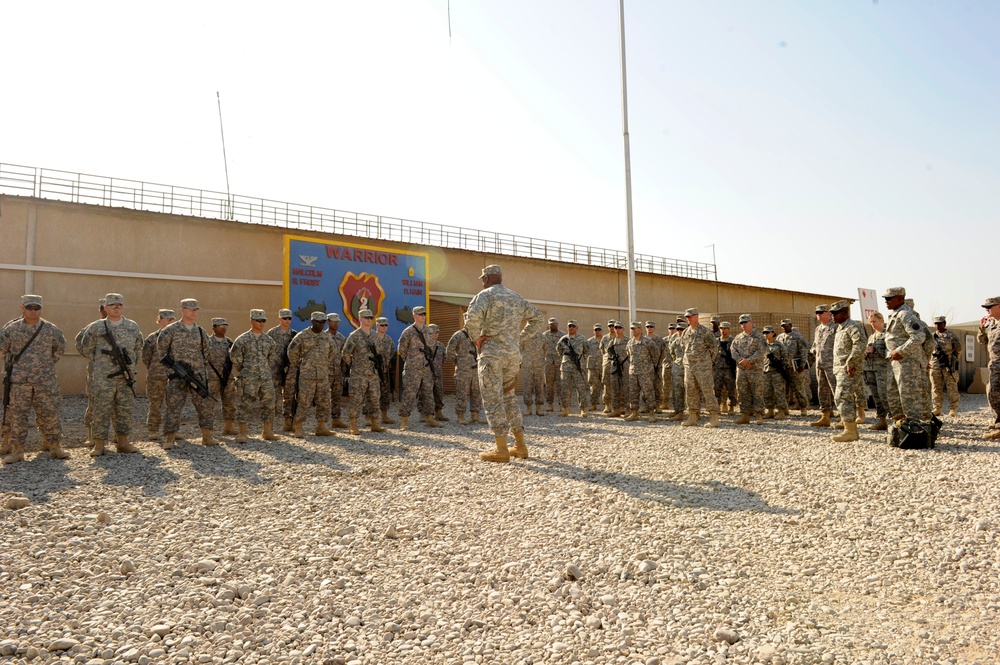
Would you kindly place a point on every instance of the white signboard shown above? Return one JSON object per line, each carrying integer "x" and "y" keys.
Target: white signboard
{"x": 970, "y": 348}
{"x": 868, "y": 300}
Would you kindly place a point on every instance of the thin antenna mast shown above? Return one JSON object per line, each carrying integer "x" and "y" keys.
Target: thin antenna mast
{"x": 228, "y": 214}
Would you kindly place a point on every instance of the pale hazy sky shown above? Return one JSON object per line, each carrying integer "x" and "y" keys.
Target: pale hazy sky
{"x": 820, "y": 146}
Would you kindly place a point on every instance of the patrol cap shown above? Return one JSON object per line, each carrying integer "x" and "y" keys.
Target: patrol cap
{"x": 189, "y": 303}
{"x": 682, "y": 326}
{"x": 571, "y": 322}
{"x": 679, "y": 319}
{"x": 725, "y": 324}
{"x": 715, "y": 319}
{"x": 317, "y": 316}
{"x": 839, "y": 305}
{"x": 284, "y": 313}
{"x": 382, "y": 321}
{"x": 114, "y": 299}
{"x": 258, "y": 315}
{"x": 420, "y": 309}
{"x": 894, "y": 291}
{"x": 691, "y": 311}
{"x": 636, "y": 324}
{"x": 597, "y": 326}
{"x": 333, "y": 316}
{"x": 650, "y": 324}
{"x": 745, "y": 318}
{"x": 769, "y": 329}
{"x": 219, "y": 321}
{"x": 102, "y": 302}
{"x": 786, "y": 322}
{"x": 672, "y": 326}
{"x": 31, "y": 299}
{"x": 940, "y": 319}
{"x": 822, "y": 308}
{"x": 991, "y": 302}
{"x": 363, "y": 314}
{"x": 166, "y": 314}
{"x": 618, "y": 324}
{"x": 553, "y": 320}
{"x": 492, "y": 270}
{"x": 611, "y": 323}
{"x": 433, "y": 327}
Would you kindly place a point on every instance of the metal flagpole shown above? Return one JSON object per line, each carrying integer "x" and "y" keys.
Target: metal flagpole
{"x": 229, "y": 197}
{"x": 628, "y": 172}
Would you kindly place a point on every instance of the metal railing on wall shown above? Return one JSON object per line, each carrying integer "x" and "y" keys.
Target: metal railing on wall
{"x": 72, "y": 187}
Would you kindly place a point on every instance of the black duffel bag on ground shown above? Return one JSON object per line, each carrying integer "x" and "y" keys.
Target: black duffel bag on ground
{"x": 913, "y": 434}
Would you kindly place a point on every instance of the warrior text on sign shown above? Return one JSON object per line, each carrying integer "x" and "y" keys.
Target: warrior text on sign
{"x": 347, "y": 278}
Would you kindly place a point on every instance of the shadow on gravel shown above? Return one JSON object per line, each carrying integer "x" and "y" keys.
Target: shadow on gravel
{"x": 961, "y": 447}
{"x": 712, "y": 494}
{"x": 286, "y": 451}
{"x": 429, "y": 438}
{"x": 136, "y": 470}
{"x": 36, "y": 478}
{"x": 363, "y": 446}
{"x": 217, "y": 461}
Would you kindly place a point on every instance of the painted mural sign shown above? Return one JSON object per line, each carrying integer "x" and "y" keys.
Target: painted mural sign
{"x": 346, "y": 278}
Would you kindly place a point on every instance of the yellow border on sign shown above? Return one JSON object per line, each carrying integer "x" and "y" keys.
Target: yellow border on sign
{"x": 288, "y": 255}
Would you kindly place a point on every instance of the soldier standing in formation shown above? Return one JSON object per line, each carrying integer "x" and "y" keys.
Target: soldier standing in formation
{"x": 989, "y": 334}
{"x": 283, "y": 377}
{"x": 252, "y": 357}
{"x": 220, "y": 368}
{"x": 944, "y": 367}
{"x": 186, "y": 343}
{"x": 309, "y": 355}
{"x": 676, "y": 347}
{"x": 387, "y": 348}
{"x": 724, "y": 371}
{"x": 848, "y": 358}
{"x": 594, "y": 354}
{"x": 553, "y": 361}
{"x": 606, "y": 367}
{"x": 494, "y": 316}
{"x": 462, "y": 353}
{"x": 659, "y": 354}
{"x": 112, "y": 347}
{"x": 88, "y": 417}
{"x": 418, "y": 382}
{"x": 533, "y": 350}
{"x": 700, "y": 348}
{"x": 156, "y": 375}
{"x": 826, "y": 332}
{"x": 798, "y": 356}
{"x": 905, "y": 335}
{"x": 361, "y": 353}
{"x": 642, "y": 356}
{"x": 749, "y": 350}
{"x": 336, "y": 369}
{"x": 876, "y": 369}
{"x": 572, "y": 348}
{"x": 776, "y": 365}
{"x": 32, "y": 346}
{"x": 616, "y": 367}
{"x": 437, "y": 371}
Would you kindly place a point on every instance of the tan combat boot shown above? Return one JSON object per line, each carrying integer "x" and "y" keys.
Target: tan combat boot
{"x": 321, "y": 429}
{"x": 953, "y": 412}
{"x": 860, "y": 420}
{"x": 242, "y": 436}
{"x": 476, "y": 418}
{"x": 937, "y": 411}
{"x": 154, "y": 434}
{"x": 432, "y": 422}
{"x": 7, "y": 446}
{"x": 539, "y": 410}
{"x": 168, "y": 440}
{"x": 839, "y": 424}
{"x": 850, "y": 433}
{"x": 759, "y": 419}
{"x": 289, "y": 426}
{"x": 769, "y": 414}
{"x": 206, "y": 437}
{"x": 122, "y": 444}
{"x": 228, "y": 427}
{"x": 374, "y": 426}
{"x": 440, "y": 416}
{"x": 632, "y": 415}
{"x": 500, "y": 454}
{"x": 298, "y": 430}
{"x": 824, "y": 420}
{"x": 520, "y": 448}
{"x": 692, "y": 419}
{"x": 16, "y": 454}
{"x": 268, "y": 433}
{"x": 386, "y": 420}
{"x": 880, "y": 425}
{"x": 98, "y": 449}
{"x": 677, "y": 416}
{"x": 548, "y": 407}
{"x": 338, "y": 424}
{"x": 651, "y": 417}
{"x": 404, "y": 423}
{"x": 607, "y": 408}
{"x": 354, "y": 426}
{"x": 460, "y": 419}
{"x": 564, "y": 412}
{"x": 713, "y": 421}
{"x": 804, "y": 412}
{"x": 583, "y": 412}
{"x": 781, "y": 414}
{"x": 744, "y": 419}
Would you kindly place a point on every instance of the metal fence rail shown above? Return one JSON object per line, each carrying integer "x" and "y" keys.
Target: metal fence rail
{"x": 117, "y": 192}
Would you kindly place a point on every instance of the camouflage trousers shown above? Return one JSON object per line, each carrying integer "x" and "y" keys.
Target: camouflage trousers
{"x": 596, "y": 384}
{"x": 698, "y": 387}
{"x": 497, "y": 376}
{"x": 775, "y": 391}
{"x": 724, "y": 379}
{"x": 943, "y": 380}
{"x": 336, "y": 391}
{"x": 909, "y": 391}
{"x": 658, "y": 385}
{"x": 156, "y": 391}
{"x": 438, "y": 389}
{"x": 878, "y": 383}
{"x": 363, "y": 392}
{"x": 227, "y": 396}
{"x": 534, "y": 385}
{"x": 615, "y": 389}
{"x": 467, "y": 392}
{"x": 801, "y": 389}
{"x": 641, "y": 390}
{"x": 553, "y": 382}
{"x": 846, "y": 394}
{"x": 88, "y": 416}
{"x": 574, "y": 383}
{"x": 44, "y": 398}
{"x": 313, "y": 392}
{"x": 384, "y": 392}
{"x": 750, "y": 387}
{"x": 177, "y": 394}
{"x": 111, "y": 400}
{"x": 678, "y": 400}
{"x": 418, "y": 383}
{"x": 827, "y": 385}
{"x": 607, "y": 381}
{"x": 255, "y": 394}
{"x": 666, "y": 379}
{"x": 993, "y": 393}
{"x": 288, "y": 391}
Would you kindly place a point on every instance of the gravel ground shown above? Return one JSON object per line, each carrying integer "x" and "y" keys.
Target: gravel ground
{"x": 614, "y": 543}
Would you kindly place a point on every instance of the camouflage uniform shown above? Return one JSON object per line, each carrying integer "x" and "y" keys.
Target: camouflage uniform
{"x": 533, "y": 350}
{"x": 497, "y": 312}
{"x": 724, "y": 372}
{"x": 594, "y": 370}
{"x": 418, "y": 380}
{"x": 607, "y": 366}
{"x": 387, "y": 348}
{"x": 111, "y": 397}
{"x": 156, "y": 382}
{"x": 461, "y": 352}
{"x": 218, "y": 358}
{"x": 678, "y": 400}
{"x": 336, "y": 374}
{"x": 309, "y": 356}
{"x": 909, "y": 392}
{"x": 642, "y": 356}
{"x": 944, "y": 369}
{"x": 33, "y": 382}
{"x": 617, "y": 374}
{"x": 700, "y": 349}
{"x": 848, "y": 352}
{"x": 363, "y": 389}
{"x": 253, "y": 359}
{"x": 282, "y": 375}
{"x": 658, "y": 359}
{"x": 189, "y": 346}
{"x": 553, "y": 360}
{"x": 775, "y": 386}
{"x": 797, "y": 350}
{"x": 438, "y": 351}
{"x": 751, "y": 347}
{"x": 572, "y": 376}
{"x": 877, "y": 370}
{"x": 823, "y": 350}
{"x": 88, "y": 416}
{"x": 989, "y": 335}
